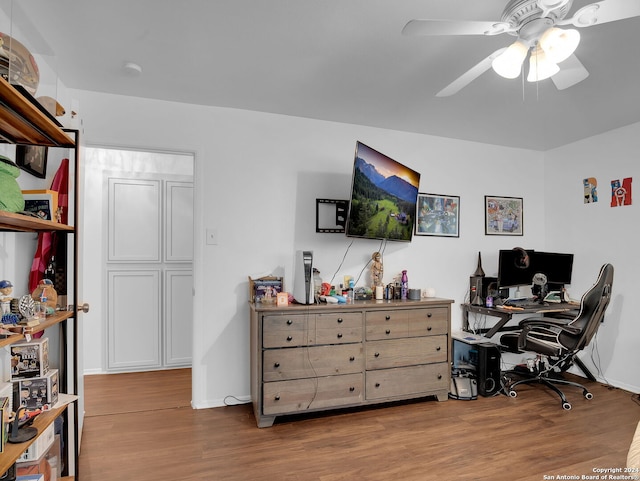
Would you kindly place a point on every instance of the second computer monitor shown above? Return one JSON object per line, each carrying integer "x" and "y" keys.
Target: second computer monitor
{"x": 557, "y": 267}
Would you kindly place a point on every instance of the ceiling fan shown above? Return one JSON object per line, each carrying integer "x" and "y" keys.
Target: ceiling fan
{"x": 536, "y": 24}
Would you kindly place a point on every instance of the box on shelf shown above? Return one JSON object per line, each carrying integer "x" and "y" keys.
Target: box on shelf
{"x": 265, "y": 289}
{"x": 40, "y": 445}
{"x": 42, "y": 203}
{"x": 46, "y": 465}
{"x": 30, "y": 477}
{"x": 4, "y": 421}
{"x": 29, "y": 359}
{"x": 37, "y": 392}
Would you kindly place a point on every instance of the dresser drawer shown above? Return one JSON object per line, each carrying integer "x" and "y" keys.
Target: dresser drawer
{"x": 286, "y": 330}
{"x": 337, "y": 328}
{"x": 405, "y": 352}
{"x": 324, "y": 392}
{"x": 386, "y": 324}
{"x": 428, "y": 322}
{"x": 303, "y": 362}
{"x": 407, "y": 381}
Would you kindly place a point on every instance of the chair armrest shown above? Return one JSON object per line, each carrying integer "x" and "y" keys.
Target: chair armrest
{"x": 546, "y": 323}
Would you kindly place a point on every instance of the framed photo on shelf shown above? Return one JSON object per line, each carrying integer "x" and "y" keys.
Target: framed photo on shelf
{"x": 503, "y": 215}
{"x": 32, "y": 159}
{"x": 42, "y": 203}
{"x": 438, "y": 215}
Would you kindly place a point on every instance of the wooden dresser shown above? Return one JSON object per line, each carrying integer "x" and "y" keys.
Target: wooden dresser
{"x": 319, "y": 357}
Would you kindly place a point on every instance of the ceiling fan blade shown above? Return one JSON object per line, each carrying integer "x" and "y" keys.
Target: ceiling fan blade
{"x": 454, "y": 27}
{"x": 470, "y": 75}
{"x": 571, "y": 72}
{"x": 603, "y": 12}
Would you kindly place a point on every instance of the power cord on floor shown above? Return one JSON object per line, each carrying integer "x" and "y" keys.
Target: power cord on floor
{"x": 237, "y": 402}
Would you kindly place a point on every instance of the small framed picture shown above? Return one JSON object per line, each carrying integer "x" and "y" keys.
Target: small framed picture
{"x": 438, "y": 215}
{"x": 502, "y": 215}
{"x": 42, "y": 203}
{"x": 32, "y": 159}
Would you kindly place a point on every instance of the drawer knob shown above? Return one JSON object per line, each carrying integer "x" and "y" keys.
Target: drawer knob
{"x": 377, "y": 354}
{"x": 339, "y": 335}
{"x": 277, "y": 398}
{"x": 339, "y": 320}
{"x": 289, "y": 322}
{"x": 386, "y": 318}
{"x": 276, "y": 365}
{"x": 352, "y": 358}
{"x": 438, "y": 348}
{"x": 351, "y": 389}
{"x": 388, "y": 331}
{"x": 439, "y": 376}
{"x": 429, "y": 315}
{"x": 429, "y": 328}
{"x": 289, "y": 338}
{"x": 377, "y": 384}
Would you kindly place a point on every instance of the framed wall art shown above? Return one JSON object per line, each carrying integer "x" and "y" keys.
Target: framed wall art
{"x": 32, "y": 159}
{"x": 502, "y": 215}
{"x": 438, "y": 215}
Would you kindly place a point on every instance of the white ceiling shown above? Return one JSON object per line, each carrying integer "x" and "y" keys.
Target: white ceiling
{"x": 338, "y": 60}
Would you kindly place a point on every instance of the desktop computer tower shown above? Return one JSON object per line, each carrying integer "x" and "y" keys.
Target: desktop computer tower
{"x": 488, "y": 369}
{"x": 481, "y": 287}
{"x": 481, "y": 360}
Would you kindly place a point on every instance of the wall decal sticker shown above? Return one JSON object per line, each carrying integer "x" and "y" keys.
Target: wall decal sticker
{"x": 590, "y": 190}
{"x": 621, "y": 192}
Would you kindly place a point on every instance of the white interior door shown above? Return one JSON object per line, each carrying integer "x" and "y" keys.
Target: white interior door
{"x": 149, "y": 269}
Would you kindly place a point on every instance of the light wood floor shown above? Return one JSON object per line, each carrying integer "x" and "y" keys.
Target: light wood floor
{"x": 141, "y": 427}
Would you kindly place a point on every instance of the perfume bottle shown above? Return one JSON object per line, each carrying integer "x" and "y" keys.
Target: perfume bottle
{"x": 404, "y": 288}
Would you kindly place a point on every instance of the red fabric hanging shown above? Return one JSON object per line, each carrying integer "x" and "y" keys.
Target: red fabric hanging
{"x": 47, "y": 240}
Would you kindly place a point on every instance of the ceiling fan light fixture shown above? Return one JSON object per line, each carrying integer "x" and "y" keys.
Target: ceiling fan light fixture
{"x": 509, "y": 63}
{"x": 559, "y": 44}
{"x": 586, "y": 16}
{"x": 540, "y": 67}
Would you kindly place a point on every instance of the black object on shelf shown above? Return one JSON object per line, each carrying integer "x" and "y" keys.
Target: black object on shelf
{"x": 21, "y": 432}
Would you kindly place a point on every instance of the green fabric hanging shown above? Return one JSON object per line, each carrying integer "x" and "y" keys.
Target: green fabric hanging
{"x": 11, "y": 199}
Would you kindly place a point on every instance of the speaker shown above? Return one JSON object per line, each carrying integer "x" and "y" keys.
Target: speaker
{"x": 488, "y": 368}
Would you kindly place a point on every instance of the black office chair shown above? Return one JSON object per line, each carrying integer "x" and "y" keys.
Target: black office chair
{"x": 558, "y": 341}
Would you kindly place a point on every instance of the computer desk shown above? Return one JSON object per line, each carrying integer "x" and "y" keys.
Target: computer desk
{"x": 505, "y": 313}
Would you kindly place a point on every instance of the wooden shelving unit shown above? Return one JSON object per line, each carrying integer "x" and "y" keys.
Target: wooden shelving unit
{"x": 42, "y": 422}
{"x": 24, "y": 121}
{"x": 52, "y": 320}
{"x": 26, "y": 223}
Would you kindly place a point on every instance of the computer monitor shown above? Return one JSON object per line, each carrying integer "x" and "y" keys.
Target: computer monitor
{"x": 511, "y": 270}
{"x": 556, "y": 266}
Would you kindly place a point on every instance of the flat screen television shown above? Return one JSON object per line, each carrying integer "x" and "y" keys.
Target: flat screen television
{"x": 383, "y": 197}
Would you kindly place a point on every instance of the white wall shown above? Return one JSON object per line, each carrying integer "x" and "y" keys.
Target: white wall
{"x": 257, "y": 178}
{"x": 598, "y": 233}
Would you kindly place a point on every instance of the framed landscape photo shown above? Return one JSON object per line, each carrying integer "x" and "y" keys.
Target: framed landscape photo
{"x": 438, "y": 215}
{"x": 502, "y": 215}
{"x": 32, "y": 159}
